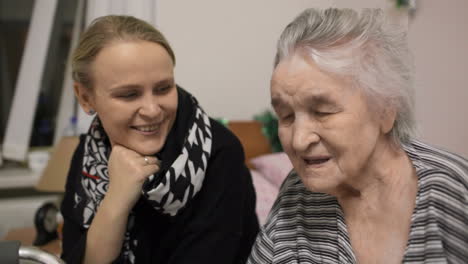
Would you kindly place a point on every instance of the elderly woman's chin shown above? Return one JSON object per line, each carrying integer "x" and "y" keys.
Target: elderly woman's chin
{"x": 320, "y": 182}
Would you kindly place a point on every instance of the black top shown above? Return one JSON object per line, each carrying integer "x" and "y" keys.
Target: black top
{"x": 218, "y": 226}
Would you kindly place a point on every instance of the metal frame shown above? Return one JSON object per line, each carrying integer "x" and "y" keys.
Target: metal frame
{"x": 30, "y": 75}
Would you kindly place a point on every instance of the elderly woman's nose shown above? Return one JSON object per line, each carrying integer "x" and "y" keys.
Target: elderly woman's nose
{"x": 304, "y": 134}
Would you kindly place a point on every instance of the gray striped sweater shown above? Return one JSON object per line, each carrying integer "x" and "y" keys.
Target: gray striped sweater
{"x": 308, "y": 227}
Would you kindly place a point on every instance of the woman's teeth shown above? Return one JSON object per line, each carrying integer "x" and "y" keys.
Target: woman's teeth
{"x": 147, "y": 128}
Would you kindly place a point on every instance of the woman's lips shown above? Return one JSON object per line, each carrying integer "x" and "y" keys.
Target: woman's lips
{"x": 315, "y": 161}
{"x": 147, "y": 129}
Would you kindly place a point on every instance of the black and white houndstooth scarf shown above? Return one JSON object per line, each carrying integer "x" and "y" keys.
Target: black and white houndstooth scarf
{"x": 169, "y": 190}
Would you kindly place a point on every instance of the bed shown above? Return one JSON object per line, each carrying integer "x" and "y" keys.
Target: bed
{"x": 268, "y": 169}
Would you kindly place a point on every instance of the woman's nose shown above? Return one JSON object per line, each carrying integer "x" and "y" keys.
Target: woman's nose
{"x": 150, "y": 107}
{"x": 305, "y": 134}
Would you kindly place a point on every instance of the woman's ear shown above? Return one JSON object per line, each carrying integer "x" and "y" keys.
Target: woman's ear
{"x": 84, "y": 96}
{"x": 388, "y": 119}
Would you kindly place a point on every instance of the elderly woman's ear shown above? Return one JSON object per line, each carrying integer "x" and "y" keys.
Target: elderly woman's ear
{"x": 387, "y": 119}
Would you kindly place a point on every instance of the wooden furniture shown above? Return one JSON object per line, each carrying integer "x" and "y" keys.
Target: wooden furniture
{"x": 251, "y": 137}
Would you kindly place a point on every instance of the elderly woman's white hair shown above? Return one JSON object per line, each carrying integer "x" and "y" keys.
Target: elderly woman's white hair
{"x": 364, "y": 46}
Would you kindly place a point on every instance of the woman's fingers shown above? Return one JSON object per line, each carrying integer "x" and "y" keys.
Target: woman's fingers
{"x": 150, "y": 165}
{"x": 126, "y": 164}
{"x": 128, "y": 170}
{"x": 151, "y": 160}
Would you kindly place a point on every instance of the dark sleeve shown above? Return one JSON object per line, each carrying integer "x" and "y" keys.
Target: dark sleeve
{"x": 224, "y": 225}
{"x": 73, "y": 234}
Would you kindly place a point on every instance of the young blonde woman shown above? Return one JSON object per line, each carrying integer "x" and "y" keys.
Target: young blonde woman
{"x": 155, "y": 180}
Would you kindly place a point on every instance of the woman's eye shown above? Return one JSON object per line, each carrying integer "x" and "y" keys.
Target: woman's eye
{"x": 286, "y": 118}
{"x": 163, "y": 89}
{"x": 127, "y": 95}
{"x": 323, "y": 113}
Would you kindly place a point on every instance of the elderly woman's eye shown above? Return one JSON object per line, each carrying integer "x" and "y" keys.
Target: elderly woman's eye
{"x": 286, "y": 118}
{"x": 324, "y": 112}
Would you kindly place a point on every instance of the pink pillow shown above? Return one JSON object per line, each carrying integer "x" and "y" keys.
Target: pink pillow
{"x": 274, "y": 166}
{"x": 266, "y": 195}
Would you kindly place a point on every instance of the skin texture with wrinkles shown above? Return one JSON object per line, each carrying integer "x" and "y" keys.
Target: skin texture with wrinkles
{"x": 318, "y": 116}
{"x": 340, "y": 146}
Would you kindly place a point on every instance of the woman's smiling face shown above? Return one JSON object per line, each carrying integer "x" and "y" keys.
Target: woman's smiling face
{"x": 133, "y": 93}
{"x": 325, "y": 126}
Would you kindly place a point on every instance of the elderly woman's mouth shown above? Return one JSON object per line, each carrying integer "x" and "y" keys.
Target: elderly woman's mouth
{"x": 316, "y": 161}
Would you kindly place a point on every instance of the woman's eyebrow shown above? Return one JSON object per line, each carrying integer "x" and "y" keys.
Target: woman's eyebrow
{"x": 169, "y": 80}
{"x": 125, "y": 87}
{"x": 319, "y": 99}
{"x": 315, "y": 99}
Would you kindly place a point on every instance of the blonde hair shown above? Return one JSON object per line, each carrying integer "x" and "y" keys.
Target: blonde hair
{"x": 105, "y": 30}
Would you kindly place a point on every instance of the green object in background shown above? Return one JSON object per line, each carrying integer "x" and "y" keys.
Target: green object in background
{"x": 223, "y": 121}
{"x": 270, "y": 129}
{"x": 402, "y": 3}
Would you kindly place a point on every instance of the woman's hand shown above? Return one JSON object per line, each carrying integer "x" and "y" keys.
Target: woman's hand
{"x": 128, "y": 170}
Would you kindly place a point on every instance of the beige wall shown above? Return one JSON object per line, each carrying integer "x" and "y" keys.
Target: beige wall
{"x": 439, "y": 41}
{"x": 225, "y": 49}
{"x": 225, "y": 52}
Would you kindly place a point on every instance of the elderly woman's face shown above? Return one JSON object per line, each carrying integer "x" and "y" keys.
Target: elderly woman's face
{"x": 134, "y": 94}
{"x": 325, "y": 126}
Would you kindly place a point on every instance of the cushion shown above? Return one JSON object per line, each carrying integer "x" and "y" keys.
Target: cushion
{"x": 274, "y": 166}
{"x": 266, "y": 195}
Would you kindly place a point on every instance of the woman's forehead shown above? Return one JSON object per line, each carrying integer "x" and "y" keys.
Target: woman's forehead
{"x": 126, "y": 63}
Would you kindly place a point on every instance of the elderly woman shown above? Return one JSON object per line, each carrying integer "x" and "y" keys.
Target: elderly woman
{"x": 363, "y": 190}
{"x": 155, "y": 180}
